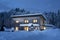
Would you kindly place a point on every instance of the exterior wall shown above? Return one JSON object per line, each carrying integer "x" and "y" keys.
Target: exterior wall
{"x": 21, "y": 19}
{"x": 40, "y": 21}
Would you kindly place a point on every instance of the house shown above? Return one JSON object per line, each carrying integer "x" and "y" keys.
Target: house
{"x": 28, "y": 22}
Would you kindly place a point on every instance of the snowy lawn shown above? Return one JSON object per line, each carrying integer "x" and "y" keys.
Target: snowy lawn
{"x": 51, "y": 34}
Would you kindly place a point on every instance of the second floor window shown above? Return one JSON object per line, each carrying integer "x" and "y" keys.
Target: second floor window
{"x": 35, "y": 21}
{"x": 17, "y": 21}
{"x": 26, "y": 21}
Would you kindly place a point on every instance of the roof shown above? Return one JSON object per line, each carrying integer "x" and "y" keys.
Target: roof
{"x": 28, "y": 15}
{"x": 49, "y": 25}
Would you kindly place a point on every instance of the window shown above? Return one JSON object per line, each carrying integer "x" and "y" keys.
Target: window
{"x": 16, "y": 28}
{"x": 26, "y": 21}
{"x": 17, "y": 21}
{"x": 35, "y": 21}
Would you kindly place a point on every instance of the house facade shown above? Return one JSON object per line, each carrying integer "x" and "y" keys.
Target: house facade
{"x": 28, "y": 21}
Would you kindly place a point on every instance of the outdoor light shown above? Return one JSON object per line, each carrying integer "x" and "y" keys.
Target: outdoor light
{"x": 44, "y": 28}
{"x": 17, "y": 21}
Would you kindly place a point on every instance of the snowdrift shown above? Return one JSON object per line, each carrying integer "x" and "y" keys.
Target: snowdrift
{"x": 49, "y": 34}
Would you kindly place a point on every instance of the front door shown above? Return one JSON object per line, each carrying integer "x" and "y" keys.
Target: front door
{"x": 26, "y": 28}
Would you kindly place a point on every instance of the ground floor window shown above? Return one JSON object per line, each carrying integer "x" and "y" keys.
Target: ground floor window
{"x": 16, "y": 28}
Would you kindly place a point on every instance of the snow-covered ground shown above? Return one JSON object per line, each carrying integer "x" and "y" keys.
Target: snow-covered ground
{"x": 49, "y": 34}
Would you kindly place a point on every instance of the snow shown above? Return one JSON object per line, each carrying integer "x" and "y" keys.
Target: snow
{"x": 8, "y": 29}
{"x": 49, "y": 34}
{"x": 29, "y": 24}
{"x": 49, "y": 25}
{"x": 31, "y": 14}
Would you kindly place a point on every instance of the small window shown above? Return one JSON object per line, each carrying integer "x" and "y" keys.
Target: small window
{"x": 26, "y": 21}
{"x": 35, "y": 21}
{"x": 17, "y": 21}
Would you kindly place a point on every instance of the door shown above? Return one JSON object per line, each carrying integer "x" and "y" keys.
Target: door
{"x": 26, "y": 28}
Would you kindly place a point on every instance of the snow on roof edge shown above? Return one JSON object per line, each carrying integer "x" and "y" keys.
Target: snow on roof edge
{"x": 27, "y": 14}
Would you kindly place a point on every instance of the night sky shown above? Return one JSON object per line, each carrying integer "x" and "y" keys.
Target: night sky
{"x": 31, "y": 5}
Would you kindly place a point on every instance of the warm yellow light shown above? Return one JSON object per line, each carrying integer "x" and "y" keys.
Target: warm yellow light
{"x": 44, "y": 28}
{"x": 17, "y": 21}
{"x": 26, "y": 21}
{"x": 26, "y": 28}
{"x": 16, "y": 29}
{"x": 34, "y": 21}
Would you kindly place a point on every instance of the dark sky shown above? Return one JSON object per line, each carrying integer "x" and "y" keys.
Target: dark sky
{"x": 31, "y": 5}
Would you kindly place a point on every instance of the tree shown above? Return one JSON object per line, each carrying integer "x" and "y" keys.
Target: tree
{"x": 58, "y": 19}
{"x": 51, "y": 18}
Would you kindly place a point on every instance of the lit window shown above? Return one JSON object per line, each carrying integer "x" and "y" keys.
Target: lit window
{"x": 16, "y": 29}
{"x": 35, "y": 21}
{"x": 17, "y": 21}
{"x": 26, "y": 28}
{"x": 26, "y": 21}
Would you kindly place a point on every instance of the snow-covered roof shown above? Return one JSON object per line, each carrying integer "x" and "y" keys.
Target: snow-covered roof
{"x": 49, "y": 25}
{"x": 27, "y": 14}
{"x": 32, "y": 14}
{"x": 48, "y": 34}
